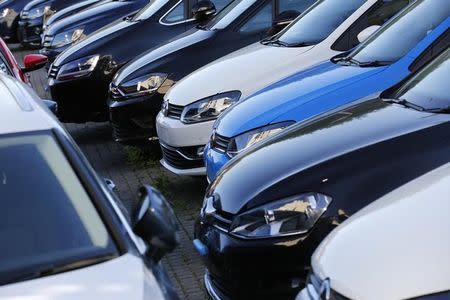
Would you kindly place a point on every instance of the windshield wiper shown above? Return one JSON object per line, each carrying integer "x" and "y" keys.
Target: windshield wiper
{"x": 52, "y": 269}
{"x": 442, "y": 110}
{"x": 349, "y": 61}
{"x": 405, "y": 103}
{"x": 274, "y": 42}
{"x": 375, "y": 63}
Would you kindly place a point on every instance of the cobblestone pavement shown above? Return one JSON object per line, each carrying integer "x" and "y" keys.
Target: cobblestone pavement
{"x": 129, "y": 172}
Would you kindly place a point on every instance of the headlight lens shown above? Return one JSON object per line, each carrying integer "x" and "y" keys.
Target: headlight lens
{"x": 209, "y": 108}
{"x": 68, "y": 37}
{"x": 78, "y": 68}
{"x": 293, "y": 215}
{"x": 143, "y": 85}
{"x": 245, "y": 140}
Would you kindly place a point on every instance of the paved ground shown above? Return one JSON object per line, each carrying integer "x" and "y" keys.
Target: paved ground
{"x": 129, "y": 169}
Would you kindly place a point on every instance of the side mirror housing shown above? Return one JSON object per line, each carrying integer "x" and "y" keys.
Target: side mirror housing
{"x": 283, "y": 20}
{"x": 203, "y": 10}
{"x": 154, "y": 221}
{"x": 34, "y": 62}
{"x": 363, "y": 35}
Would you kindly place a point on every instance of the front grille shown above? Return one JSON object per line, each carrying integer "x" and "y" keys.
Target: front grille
{"x": 53, "y": 71}
{"x": 47, "y": 41}
{"x": 180, "y": 157}
{"x": 24, "y": 14}
{"x": 174, "y": 111}
{"x": 220, "y": 142}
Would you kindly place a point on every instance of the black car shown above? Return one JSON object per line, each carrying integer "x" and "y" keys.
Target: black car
{"x": 9, "y": 19}
{"x": 33, "y": 16}
{"x": 59, "y": 35}
{"x": 138, "y": 89}
{"x": 120, "y": 42}
{"x": 270, "y": 207}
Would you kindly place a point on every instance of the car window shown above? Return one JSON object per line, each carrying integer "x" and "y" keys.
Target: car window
{"x": 429, "y": 88}
{"x": 46, "y": 215}
{"x": 378, "y": 14}
{"x": 176, "y": 14}
{"x": 229, "y": 14}
{"x": 400, "y": 35}
{"x": 297, "y": 5}
{"x": 262, "y": 20}
{"x": 318, "y": 22}
{"x": 220, "y": 4}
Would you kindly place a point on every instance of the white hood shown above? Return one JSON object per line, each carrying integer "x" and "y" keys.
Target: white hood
{"x": 396, "y": 248}
{"x": 247, "y": 70}
{"x": 123, "y": 278}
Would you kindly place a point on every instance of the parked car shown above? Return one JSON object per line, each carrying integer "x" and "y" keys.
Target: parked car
{"x": 9, "y": 65}
{"x": 271, "y": 206}
{"x": 32, "y": 19}
{"x": 120, "y": 42}
{"x": 184, "y": 126}
{"x": 70, "y": 10}
{"x": 9, "y": 19}
{"x": 67, "y": 236}
{"x": 74, "y": 28}
{"x": 133, "y": 111}
{"x": 381, "y": 61}
{"x": 373, "y": 242}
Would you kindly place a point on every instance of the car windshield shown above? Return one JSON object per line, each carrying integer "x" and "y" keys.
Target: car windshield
{"x": 147, "y": 11}
{"x": 429, "y": 88}
{"x": 402, "y": 33}
{"x": 318, "y": 22}
{"x": 229, "y": 14}
{"x": 47, "y": 219}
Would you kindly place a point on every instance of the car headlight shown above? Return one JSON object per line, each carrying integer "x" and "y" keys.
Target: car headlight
{"x": 37, "y": 12}
{"x": 289, "y": 216}
{"x": 209, "y": 108}
{"x": 143, "y": 85}
{"x": 68, "y": 37}
{"x": 78, "y": 68}
{"x": 6, "y": 12}
{"x": 245, "y": 140}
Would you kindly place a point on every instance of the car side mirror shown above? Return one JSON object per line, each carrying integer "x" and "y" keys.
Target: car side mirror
{"x": 154, "y": 221}
{"x": 34, "y": 62}
{"x": 203, "y": 10}
{"x": 364, "y": 35}
{"x": 283, "y": 20}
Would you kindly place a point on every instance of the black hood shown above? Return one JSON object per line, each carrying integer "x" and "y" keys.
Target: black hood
{"x": 327, "y": 153}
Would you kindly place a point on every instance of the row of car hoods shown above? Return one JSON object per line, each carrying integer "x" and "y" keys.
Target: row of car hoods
{"x": 297, "y": 129}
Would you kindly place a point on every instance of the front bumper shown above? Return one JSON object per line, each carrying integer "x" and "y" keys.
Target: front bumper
{"x": 30, "y": 31}
{"x": 133, "y": 120}
{"x": 183, "y": 145}
{"x": 214, "y": 161}
{"x": 80, "y": 100}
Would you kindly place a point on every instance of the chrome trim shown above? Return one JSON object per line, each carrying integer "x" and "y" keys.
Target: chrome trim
{"x": 178, "y": 151}
{"x": 175, "y": 23}
{"x": 209, "y": 287}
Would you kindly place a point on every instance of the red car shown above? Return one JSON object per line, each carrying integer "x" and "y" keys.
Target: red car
{"x": 9, "y": 65}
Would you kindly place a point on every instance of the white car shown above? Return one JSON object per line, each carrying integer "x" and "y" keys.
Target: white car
{"x": 398, "y": 247}
{"x": 326, "y": 29}
{"x": 64, "y": 234}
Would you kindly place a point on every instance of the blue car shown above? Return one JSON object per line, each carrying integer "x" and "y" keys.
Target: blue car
{"x": 399, "y": 47}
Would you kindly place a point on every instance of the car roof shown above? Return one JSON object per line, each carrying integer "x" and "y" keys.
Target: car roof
{"x": 21, "y": 109}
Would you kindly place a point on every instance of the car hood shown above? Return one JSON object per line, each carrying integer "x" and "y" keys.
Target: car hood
{"x": 246, "y": 70}
{"x": 94, "y": 14}
{"x": 144, "y": 63}
{"x": 71, "y": 10}
{"x": 99, "y": 37}
{"x": 289, "y": 94}
{"x": 123, "y": 278}
{"x": 250, "y": 179}
{"x": 360, "y": 256}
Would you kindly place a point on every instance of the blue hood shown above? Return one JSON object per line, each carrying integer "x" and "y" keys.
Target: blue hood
{"x": 96, "y": 16}
{"x": 280, "y": 101}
